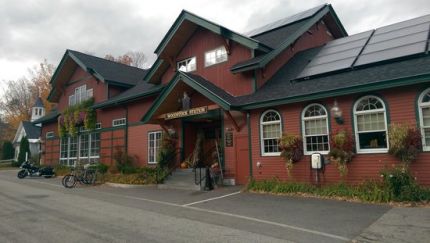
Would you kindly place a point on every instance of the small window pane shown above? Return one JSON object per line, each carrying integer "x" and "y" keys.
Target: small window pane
{"x": 373, "y": 140}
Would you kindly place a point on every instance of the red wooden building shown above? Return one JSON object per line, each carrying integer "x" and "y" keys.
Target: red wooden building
{"x": 241, "y": 92}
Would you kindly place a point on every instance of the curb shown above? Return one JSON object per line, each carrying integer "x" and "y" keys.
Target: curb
{"x": 118, "y": 185}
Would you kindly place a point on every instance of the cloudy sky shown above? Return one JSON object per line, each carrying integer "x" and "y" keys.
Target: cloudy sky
{"x": 33, "y": 30}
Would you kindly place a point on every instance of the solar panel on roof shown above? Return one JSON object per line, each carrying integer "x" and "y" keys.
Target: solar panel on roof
{"x": 288, "y": 20}
{"x": 336, "y": 55}
{"x": 393, "y": 41}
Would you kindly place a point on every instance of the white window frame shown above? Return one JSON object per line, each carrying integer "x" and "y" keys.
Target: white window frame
{"x": 217, "y": 59}
{"x": 355, "y": 113}
{"x": 49, "y": 135}
{"x": 304, "y": 119}
{"x": 187, "y": 67}
{"x": 119, "y": 122}
{"x": 81, "y": 94}
{"x": 262, "y": 124}
{"x": 155, "y": 146}
{"x": 89, "y": 158}
{"x": 421, "y": 105}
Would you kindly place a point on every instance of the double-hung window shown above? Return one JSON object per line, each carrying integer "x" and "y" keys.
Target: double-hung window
{"x": 270, "y": 133}
{"x": 424, "y": 115}
{"x": 315, "y": 129}
{"x": 154, "y": 144}
{"x": 215, "y": 56}
{"x": 370, "y": 122}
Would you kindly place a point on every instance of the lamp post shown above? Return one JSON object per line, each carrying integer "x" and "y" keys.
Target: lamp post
{"x": 336, "y": 112}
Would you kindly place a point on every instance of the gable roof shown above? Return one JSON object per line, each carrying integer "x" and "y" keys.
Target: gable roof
{"x": 107, "y": 71}
{"x": 32, "y": 131}
{"x": 50, "y": 117}
{"x": 39, "y": 103}
{"x": 283, "y": 88}
{"x": 182, "y": 29}
{"x": 281, "y": 37}
{"x": 198, "y": 83}
{"x": 141, "y": 90}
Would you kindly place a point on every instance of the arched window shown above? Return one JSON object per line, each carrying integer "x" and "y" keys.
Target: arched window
{"x": 270, "y": 132}
{"x": 424, "y": 114}
{"x": 370, "y": 122}
{"x": 315, "y": 129}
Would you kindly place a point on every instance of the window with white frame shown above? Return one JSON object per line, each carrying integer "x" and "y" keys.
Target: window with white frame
{"x": 187, "y": 65}
{"x": 424, "y": 116}
{"x": 154, "y": 144}
{"x": 85, "y": 148}
{"x": 315, "y": 129}
{"x": 50, "y": 135}
{"x": 270, "y": 133}
{"x": 118, "y": 122}
{"x": 81, "y": 94}
{"x": 370, "y": 121}
{"x": 215, "y": 56}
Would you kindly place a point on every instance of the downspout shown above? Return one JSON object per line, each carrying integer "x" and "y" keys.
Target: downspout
{"x": 126, "y": 129}
{"x": 248, "y": 123}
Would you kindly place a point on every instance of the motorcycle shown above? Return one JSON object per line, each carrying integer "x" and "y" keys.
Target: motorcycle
{"x": 28, "y": 169}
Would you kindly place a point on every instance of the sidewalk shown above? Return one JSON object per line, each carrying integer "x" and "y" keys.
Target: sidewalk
{"x": 399, "y": 225}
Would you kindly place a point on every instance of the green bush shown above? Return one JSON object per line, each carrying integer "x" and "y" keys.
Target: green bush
{"x": 124, "y": 162}
{"x": 24, "y": 150}
{"x": 405, "y": 142}
{"x": 102, "y": 168}
{"x": 8, "y": 150}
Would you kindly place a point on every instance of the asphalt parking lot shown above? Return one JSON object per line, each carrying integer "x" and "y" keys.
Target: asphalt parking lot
{"x": 107, "y": 214}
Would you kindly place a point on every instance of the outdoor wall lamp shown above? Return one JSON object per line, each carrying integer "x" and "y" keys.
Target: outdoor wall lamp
{"x": 336, "y": 112}
{"x": 258, "y": 164}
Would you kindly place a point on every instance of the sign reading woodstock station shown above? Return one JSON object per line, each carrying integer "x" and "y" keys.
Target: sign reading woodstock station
{"x": 190, "y": 112}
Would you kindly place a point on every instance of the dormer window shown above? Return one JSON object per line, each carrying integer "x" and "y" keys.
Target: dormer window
{"x": 187, "y": 65}
{"x": 81, "y": 94}
{"x": 215, "y": 56}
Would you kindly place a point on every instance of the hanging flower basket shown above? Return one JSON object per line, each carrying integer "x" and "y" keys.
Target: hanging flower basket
{"x": 291, "y": 147}
{"x": 76, "y": 116}
{"x": 341, "y": 150}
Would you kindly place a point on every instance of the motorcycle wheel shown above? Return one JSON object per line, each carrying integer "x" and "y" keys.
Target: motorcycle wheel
{"x": 22, "y": 174}
{"x": 69, "y": 181}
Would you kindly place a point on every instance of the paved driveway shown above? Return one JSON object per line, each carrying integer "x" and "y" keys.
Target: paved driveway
{"x": 47, "y": 212}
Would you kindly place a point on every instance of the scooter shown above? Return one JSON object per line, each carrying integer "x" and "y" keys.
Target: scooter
{"x": 28, "y": 169}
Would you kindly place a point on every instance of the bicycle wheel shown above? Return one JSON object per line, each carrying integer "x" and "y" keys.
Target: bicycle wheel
{"x": 69, "y": 181}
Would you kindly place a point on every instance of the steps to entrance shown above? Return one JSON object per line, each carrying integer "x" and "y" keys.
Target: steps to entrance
{"x": 181, "y": 179}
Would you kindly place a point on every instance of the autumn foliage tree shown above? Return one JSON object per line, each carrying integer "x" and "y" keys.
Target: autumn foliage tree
{"x": 131, "y": 58}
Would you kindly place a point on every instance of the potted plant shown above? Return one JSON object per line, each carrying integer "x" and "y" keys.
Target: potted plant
{"x": 405, "y": 142}
{"x": 341, "y": 150}
{"x": 291, "y": 147}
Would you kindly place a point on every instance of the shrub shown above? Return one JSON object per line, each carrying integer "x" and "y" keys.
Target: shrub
{"x": 341, "y": 150}
{"x": 405, "y": 142}
{"x": 102, "y": 168}
{"x": 61, "y": 170}
{"x": 124, "y": 163}
{"x": 401, "y": 184}
{"x": 291, "y": 147}
{"x": 24, "y": 150}
{"x": 8, "y": 150}
{"x": 167, "y": 151}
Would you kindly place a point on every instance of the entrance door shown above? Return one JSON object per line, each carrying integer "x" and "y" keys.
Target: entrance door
{"x": 242, "y": 159}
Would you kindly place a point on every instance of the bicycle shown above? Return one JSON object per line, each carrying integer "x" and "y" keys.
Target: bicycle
{"x": 87, "y": 176}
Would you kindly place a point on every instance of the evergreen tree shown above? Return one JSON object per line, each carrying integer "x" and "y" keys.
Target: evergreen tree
{"x": 24, "y": 147}
{"x": 8, "y": 150}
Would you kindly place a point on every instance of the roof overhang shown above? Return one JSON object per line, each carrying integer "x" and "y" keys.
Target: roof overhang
{"x": 180, "y": 83}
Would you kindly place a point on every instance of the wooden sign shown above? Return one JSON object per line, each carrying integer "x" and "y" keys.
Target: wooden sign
{"x": 185, "y": 113}
{"x": 229, "y": 139}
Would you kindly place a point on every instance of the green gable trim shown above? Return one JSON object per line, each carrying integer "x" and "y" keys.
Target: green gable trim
{"x": 386, "y": 84}
{"x": 290, "y": 40}
{"x": 55, "y": 75}
{"x": 153, "y": 69}
{"x": 128, "y": 99}
{"x": 185, "y": 15}
{"x": 180, "y": 76}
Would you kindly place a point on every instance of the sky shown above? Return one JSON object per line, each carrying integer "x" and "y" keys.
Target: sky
{"x": 31, "y": 31}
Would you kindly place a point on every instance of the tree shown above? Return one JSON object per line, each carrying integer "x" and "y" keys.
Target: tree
{"x": 24, "y": 149}
{"x": 8, "y": 151}
{"x": 131, "y": 58}
{"x": 20, "y": 95}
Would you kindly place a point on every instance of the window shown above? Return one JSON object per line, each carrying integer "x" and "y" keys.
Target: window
{"x": 49, "y": 135}
{"x": 81, "y": 94}
{"x": 370, "y": 122}
{"x": 118, "y": 122}
{"x": 187, "y": 65}
{"x": 215, "y": 56}
{"x": 424, "y": 115}
{"x": 315, "y": 129}
{"x": 85, "y": 148}
{"x": 154, "y": 143}
{"x": 270, "y": 132}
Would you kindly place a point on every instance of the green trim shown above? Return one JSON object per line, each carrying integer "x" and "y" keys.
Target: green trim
{"x": 180, "y": 76}
{"x": 153, "y": 69}
{"x": 55, "y": 75}
{"x": 222, "y": 144}
{"x": 128, "y": 99}
{"x": 182, "y": 141}
{"x": 185, "y": 15}
{"x": 248, "y": 123}
{"x": 392, "y": 83}
{"x": 254, "y": 75}
{"x": 337, "y": 20}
